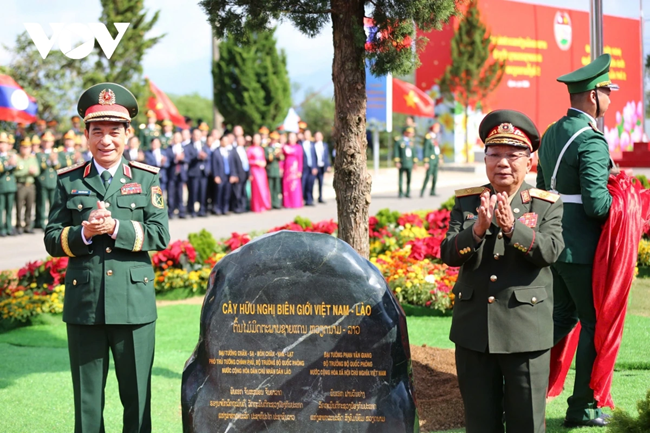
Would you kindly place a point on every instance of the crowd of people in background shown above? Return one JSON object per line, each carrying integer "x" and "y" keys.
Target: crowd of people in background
{"x": 202, "y": 171}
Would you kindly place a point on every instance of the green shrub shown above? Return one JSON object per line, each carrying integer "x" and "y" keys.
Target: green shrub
{"x": 302, "y": 222}
{"x": 386, "y": 217}
{"x": 448, "y": 204}
{"x": 622, "y": 422}
{"x": 644, "y": 180}
{"x": 204, "y": 244}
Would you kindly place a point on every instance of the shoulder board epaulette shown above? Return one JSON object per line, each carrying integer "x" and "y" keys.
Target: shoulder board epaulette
{"x": 544, "y": 195}
{"x": 142, "y": 126}
{"x": 548, "y": 127}
{"x": 71, "y": 168}
{"x": 427, "y": 136}
{"x": 463, "y": 192}
{"x": 145, "y": 167}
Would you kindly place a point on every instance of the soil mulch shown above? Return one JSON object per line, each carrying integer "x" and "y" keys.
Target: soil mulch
{"x": 440, "y": 406}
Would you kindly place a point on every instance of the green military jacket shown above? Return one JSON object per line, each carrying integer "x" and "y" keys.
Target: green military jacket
{"x": 273, "y": 154}
{"x": 48, "y": 176}
{"x": 165, "y": 141}
{"x": 147, "y": 134}
{"x": 584, "y": 170}
{"x": 22, "y": 169}
{"x": 7, "y": 178}
{"x": 429, "y": 155}
{"x": 404, "y": 152}
{"x": 110, "y": 281}
{"x": 66, "y": 158}
{"x": 504, "y": 292}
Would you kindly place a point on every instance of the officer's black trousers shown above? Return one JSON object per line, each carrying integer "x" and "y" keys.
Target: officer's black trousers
{"x": 493, "y": 383}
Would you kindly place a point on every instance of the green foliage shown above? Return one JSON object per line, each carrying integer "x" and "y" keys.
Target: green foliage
{"x": 448, "y": 204}
{"x": 386, "y": 217}
{"x": 55, "y": 82}
{"x": 644, "y": 180}
{"x": 471, "y": 76}
{"x": 302, "y": 222}
{"x": 125, "y": 65}
{"x": 204, "y": 244}
{"x": 622, "y": 422}
{"x": 251, "y": 82}
{"x": 318, "y": 111}
{"x": 194, "y": 106}
{"x": 390, "y": 48}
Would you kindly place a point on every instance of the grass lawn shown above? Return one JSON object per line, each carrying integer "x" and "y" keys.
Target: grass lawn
{"x": 36, "y": 391}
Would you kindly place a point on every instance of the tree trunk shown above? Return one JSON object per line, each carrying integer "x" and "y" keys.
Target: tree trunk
{"x": 466, "y": 121}
{"x": 351, "y": 179}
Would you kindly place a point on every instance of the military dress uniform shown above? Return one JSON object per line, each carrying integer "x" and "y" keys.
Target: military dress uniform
{"x": 273, "y": 154}
{"x": 45, "y": 182}
{"x": 7, "y": 190}
{"x": 405, "y": 156}
{"x": 110, "y": 300}
{"x": 431, "y": 155}
{"x": 148, "y": 132}
{"x": 502, "y": 321}
{"x": 26, "y": 172}
{"x": 574, "y": 161}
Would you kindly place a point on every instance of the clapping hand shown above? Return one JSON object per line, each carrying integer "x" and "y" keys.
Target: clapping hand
{"x": 485, "y": 211}
{"x": 503, "y": 213}
{"x": 99, "y": 222}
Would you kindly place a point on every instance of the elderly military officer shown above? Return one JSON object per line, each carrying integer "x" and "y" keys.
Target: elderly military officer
{"x": 107, "y": 214}
{"x": 574, "y": 161}
{"x": 504, "y": 235}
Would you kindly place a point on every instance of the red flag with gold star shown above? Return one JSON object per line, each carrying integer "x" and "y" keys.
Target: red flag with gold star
{"x": 164, "y": 107}
{"x": 408, "y": 99}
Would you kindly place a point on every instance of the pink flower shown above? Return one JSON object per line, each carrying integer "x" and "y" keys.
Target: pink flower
{"x": 625, "y": 141}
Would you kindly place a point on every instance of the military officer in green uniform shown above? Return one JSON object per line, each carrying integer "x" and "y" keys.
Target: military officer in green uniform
{"x": 504, "y": 236}
{"x": 107, "y": 215}
{"x": 67, "y": 153}
{"x": 274, "y": 154}
{"x": 8, "y": 163}
{"x": 149, "y": 131}
{"x": 26, "y": 172}
{"x": 574, "y": 161}
{"x": 167, "y": 133}
{"x": 49, "y": 162}
{"x": 431, "y": 158}
{"x": 405, "y": 160}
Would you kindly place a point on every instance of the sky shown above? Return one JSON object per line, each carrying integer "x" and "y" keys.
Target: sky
{"x": 181, "y": 62}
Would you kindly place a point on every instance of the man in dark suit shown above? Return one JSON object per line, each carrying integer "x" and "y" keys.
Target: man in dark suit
{"x": 239, "y": 169}
{"x": 321, "y": 149}
{"x": 133, "y": 152}
{"x": 220, "y": 160}
{"x": 197, "y": 173}
{"x": 157, "y": 157}
{"x": 309, "y": 169}
{"x": 177, "y": 175}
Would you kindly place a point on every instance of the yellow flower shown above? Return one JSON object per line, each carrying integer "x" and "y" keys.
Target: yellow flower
{"x": 408, "y": 284}
{"x": 398, "y": 289}
{"x": 33, "y": 285}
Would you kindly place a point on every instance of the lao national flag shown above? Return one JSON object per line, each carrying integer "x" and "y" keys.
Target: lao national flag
{"x": 15, "y": 104}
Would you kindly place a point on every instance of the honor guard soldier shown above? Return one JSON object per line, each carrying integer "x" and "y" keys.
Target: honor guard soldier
{"x": 432, "y": 156}
{"x": 167, "y": 133}
{"x": 574, "y": 161}
{"x": 66, "y": 155}
{"x": 26, "y": 173}
{"x": 107, "y": 215}
{"x": 274, "y": 156}
{"x": 76, "y": 125}
{"x": 36, "y": 143}
{"x": 148, "y": 131}
{"x": 405, "y": 159}
{"x": 8, "y": 163}
{"x": 49, "y": 163}
{"x": 504, "y": 236}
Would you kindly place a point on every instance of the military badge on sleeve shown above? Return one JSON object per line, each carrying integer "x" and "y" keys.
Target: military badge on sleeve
{"x": 157, "y": 197}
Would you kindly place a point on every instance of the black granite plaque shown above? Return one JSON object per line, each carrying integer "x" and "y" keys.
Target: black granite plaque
{"x": 299, "y": 334}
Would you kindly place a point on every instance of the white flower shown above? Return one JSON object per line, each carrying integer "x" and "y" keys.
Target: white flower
{"x": 430, "y": 279}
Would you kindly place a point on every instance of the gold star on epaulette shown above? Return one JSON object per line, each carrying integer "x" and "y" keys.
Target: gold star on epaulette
{"x": 146, "y": 167}
{"x": 544, "y": 195}
{"x": 470, "y": 191}
{"x": 71, "y": 168}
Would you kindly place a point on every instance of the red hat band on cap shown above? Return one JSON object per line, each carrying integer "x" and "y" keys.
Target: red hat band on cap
{"x": 506, "y": 133}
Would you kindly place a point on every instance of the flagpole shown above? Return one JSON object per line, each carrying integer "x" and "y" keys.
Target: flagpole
{"x": 596, "y": 39}
{"x": 217, "y": 118}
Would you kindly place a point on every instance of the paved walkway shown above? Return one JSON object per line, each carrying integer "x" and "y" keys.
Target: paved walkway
{"x": 17, "y": 251}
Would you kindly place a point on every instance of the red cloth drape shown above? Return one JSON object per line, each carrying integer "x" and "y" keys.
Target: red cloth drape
{"x": 614, "y": 263}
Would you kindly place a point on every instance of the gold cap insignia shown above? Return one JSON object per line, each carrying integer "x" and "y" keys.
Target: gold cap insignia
{"x": 106, "y": 97}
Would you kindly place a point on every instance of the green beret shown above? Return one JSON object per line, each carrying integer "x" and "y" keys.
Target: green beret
{"x": 107, "y": 102}
{"x": 592, "y": 76}
{"x": 510, "y": 128}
